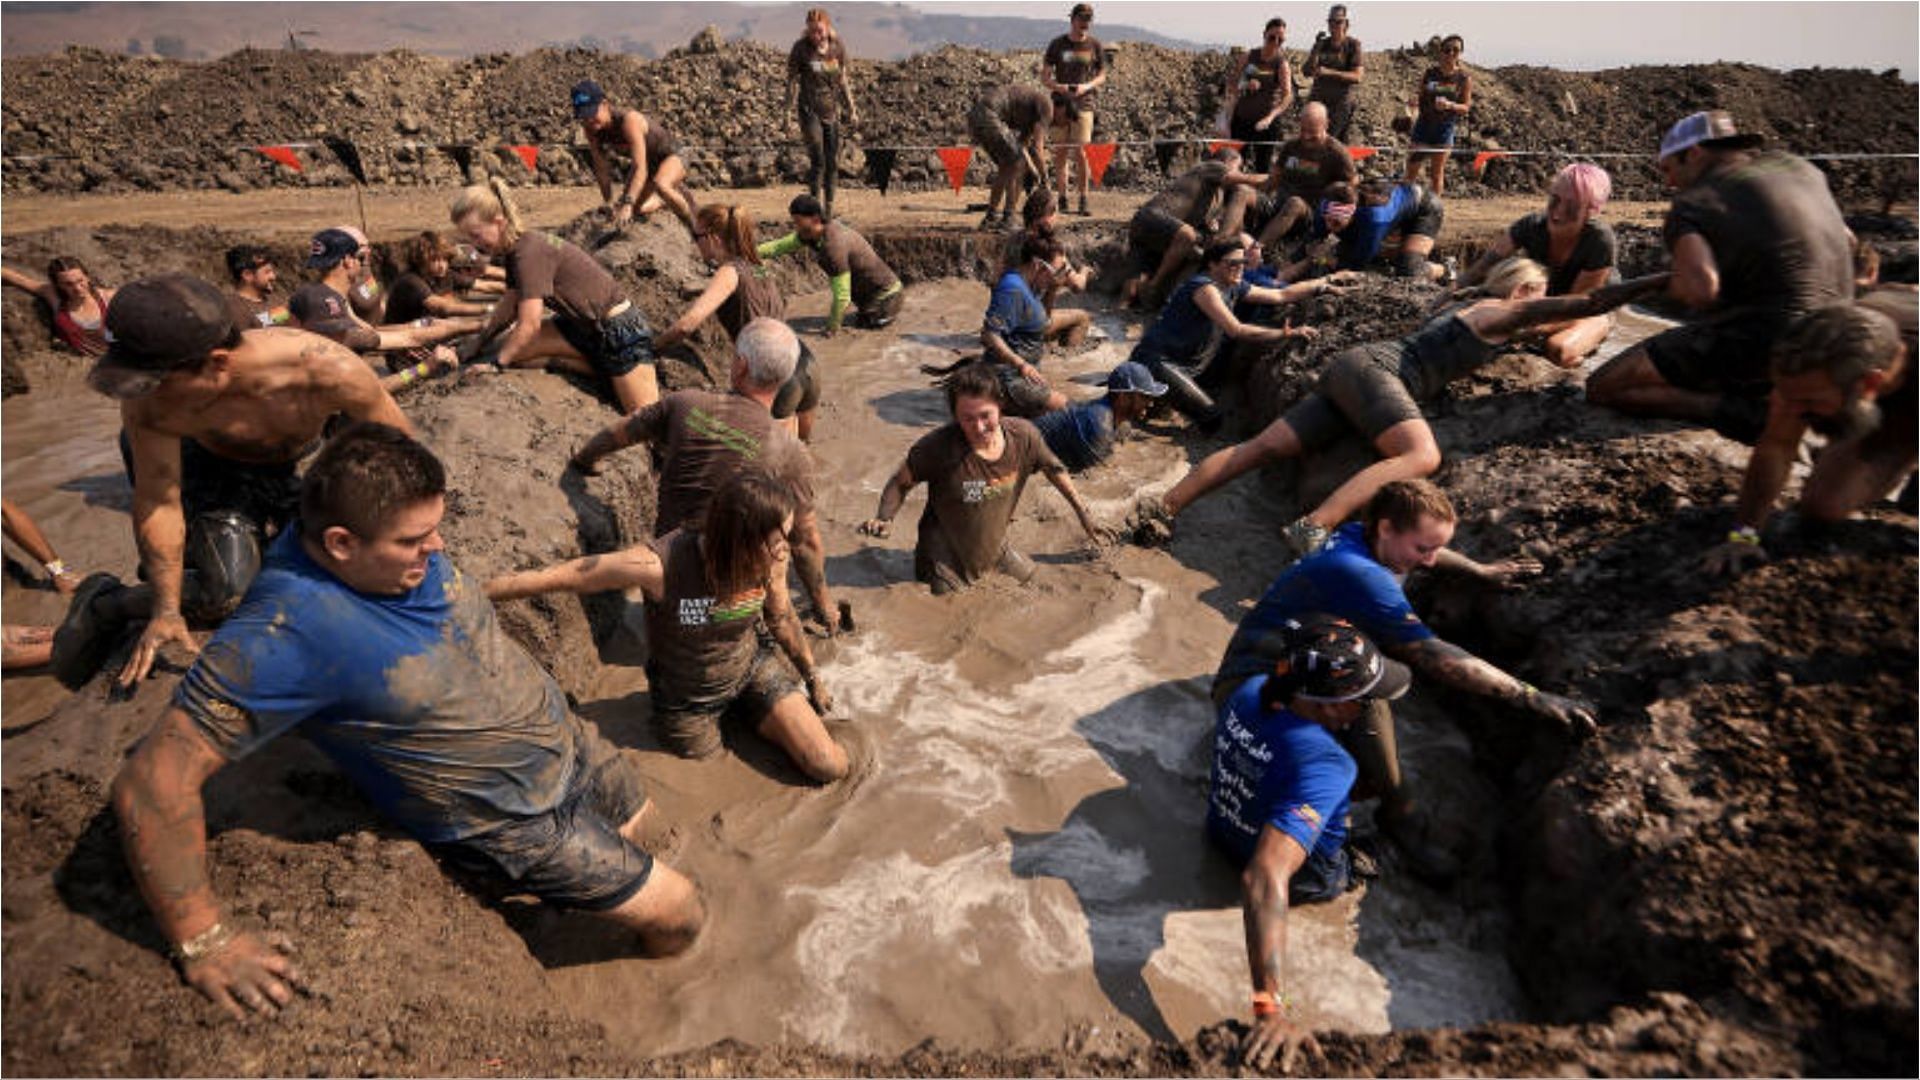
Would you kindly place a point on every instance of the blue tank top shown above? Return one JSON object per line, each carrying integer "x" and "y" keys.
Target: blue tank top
{"x": 1183, "y": 334}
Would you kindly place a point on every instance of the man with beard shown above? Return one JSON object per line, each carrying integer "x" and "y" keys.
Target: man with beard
{"x": 254, "y": 279}
{"x": 322, "y": 307}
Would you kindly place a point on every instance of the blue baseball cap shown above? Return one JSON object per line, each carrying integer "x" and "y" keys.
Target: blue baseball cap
{"x": 586, "y": 98}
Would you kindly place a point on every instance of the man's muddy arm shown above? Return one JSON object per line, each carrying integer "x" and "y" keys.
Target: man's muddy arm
{"x": 1503, "y": 321}
{"x": 1263, "y": 909}
{"x": 628, "y": 568}
{"x": 1454, "y": 666}
{"x": 1696, "y": 274}
{"x": 160, "y": 533}
{"x": 409, "y": 336}
{"x": 350, "y": 386}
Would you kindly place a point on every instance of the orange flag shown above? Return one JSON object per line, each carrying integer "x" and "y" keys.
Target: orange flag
{"x": 1218, "y": 143}
{"x": 529, "y": 155}
{"x": 955, "y": 158}
{"x": 281, "y": 154}
{"x": 1480, "y": 160}
{"x": 1099, "y": 156}
{"x": 1361, "y": 153}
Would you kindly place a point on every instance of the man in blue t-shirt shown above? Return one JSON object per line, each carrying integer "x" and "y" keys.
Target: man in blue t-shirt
{"x": 360, "y": 633}
{"x": 1358, "y": 575}
{"x": 1018, "y": 327}
{"x": 1277, "y": 803}
{"x": 1082, "y": 435}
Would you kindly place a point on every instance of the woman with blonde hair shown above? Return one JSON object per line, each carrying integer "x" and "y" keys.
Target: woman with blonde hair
{"x": 595, "y": 330}
{"x": 1577, "y": 251}
{"x": 817, "y": 85}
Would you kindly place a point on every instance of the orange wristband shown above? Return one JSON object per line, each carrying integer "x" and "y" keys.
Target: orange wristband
{"x": 1265, "y": 1003}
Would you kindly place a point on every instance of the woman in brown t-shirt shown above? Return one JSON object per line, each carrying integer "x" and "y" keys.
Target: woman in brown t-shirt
{"x": 817, "y": 85}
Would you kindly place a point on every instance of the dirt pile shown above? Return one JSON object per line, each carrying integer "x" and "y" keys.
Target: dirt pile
{"x": 85, "y": 120}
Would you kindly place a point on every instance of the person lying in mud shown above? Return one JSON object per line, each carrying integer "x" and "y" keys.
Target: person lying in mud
{"x": 1166, "y": 233}
{"x": 701, "y": 439}
{"x": 1376, "y": 391}
{"x": 1277, "y": 801}
{"x": 250, "y": 268}
{"x": 1359, "y": 227}
{"x": 595, "y": 330}
{"x": 975, "y": 469}
{"x": 77, "y": 307}
{"x": 1357, "y": 576}
{"x": 1009, "y": 124}
{"x": 215, "y": 423}
{"x": 321, "y": 307}
{"x": 362, "y": 635}
{"x": 717, "y": 607}
{"x": 1578, "y": 252}
{"x": 427, "y": 289}
{"x": 855, "y": 275}
{"x": 1017, "y": 327}
{"x": 1185, "y": 338}
{"x": 1846, "y": 371}
{"x": 658, "y": 177}
{"x": 1082, "y": 435}
{"x": 740, "y": 291}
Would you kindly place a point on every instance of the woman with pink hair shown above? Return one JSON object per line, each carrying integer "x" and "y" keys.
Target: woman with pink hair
{"x": 1577, "y": 251}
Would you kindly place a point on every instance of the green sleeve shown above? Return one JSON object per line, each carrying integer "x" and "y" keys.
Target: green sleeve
{"x": 773, "y": 249}
{"x": 842, "y": 285}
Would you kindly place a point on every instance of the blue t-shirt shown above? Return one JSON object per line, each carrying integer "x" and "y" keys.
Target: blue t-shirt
{"x": 1018, "y": 316}
{"x": 1182, "y": 334}
{"x": 445, "y": 723}
{"x": 1081, "y": 436}
{"x": 1272, "y": 767}
{"x": 1362, "y": 239}
{"x": 1342, "y": 579}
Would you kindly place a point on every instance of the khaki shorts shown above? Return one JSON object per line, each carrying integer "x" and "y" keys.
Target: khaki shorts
{"x": 1077, "y": 131}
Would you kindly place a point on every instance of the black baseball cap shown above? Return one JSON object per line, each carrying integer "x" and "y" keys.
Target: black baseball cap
{"x": 1081, "y": 11}
{"x": 156, "y": 326}
{"x": 329, "y": 246}
{"x": 586, "y": 98}
{"x": 1328, "y": 659}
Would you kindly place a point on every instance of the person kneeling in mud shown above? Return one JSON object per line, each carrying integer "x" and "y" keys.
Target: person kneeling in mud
{"x": 1376, "y": 390}
{"x": 1277, "y": 802}
{"x": 717, "y": 606}
{"x": 363, "y": 635}
{"x": 975, "y": 469}
{"x": 1357, "y": 229}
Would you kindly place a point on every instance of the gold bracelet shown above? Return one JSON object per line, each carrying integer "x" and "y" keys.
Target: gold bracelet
{"x": 204, "y": 944}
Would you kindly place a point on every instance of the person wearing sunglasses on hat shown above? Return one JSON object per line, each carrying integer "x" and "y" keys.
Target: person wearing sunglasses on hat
{"x": 659, "y": 175}
{"x": 1259, "y": 92}
{"x": 322, "y": 307}
{"x": 1336, "y": 65}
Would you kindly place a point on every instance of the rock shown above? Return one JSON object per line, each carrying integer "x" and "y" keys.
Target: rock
{"x": 706, "y": 41}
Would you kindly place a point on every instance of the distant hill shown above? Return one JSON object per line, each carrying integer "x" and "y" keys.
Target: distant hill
{"x": 199, "y": 31}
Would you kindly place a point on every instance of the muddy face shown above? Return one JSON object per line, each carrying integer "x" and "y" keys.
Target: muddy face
{"x": 979, "y": 420}
{"x": 262, "y": 279}
{"x": 394, "y": 561}
{"x": 487, "y": 234}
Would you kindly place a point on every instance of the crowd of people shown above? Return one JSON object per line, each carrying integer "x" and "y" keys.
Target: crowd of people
{"x": 281, "y": 498}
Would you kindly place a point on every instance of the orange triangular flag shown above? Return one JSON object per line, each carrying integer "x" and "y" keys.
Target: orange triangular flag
{"x": 1480, "y": 160}
{"x": 282, "y": 154}
{"x": 1361, "y": 153}
{"x": 1099, "y": 156}
{"x": 1218, "y": 143}
{"x": 955, "y": 158}
{"x": 529, "y": 155}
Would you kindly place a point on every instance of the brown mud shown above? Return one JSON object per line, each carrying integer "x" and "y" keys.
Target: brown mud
{"x": 1013, "y": 881}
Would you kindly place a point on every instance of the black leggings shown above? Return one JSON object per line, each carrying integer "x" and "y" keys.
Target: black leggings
{"x": 229, "y": 506}
{"x": 823, "y": 156}
{"x": 1183, "y": 391}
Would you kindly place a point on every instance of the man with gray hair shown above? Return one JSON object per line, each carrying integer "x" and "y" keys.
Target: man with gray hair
{"x": 703, "y": 437}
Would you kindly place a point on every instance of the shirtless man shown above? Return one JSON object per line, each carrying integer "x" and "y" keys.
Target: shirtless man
{"x": 323, "y": 307}
{"x": 215, "y": 423}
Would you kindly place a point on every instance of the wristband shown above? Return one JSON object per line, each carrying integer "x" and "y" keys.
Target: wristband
{"x": 1267, "y": 1003}
{"x": 623, "y": 200}
{"x": 202, "y": 945}
{"x": 57, "y": 568}
{"x": 1745, "y": 534}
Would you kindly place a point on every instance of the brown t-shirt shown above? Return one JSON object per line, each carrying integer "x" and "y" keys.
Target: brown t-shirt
{"x": 250, "y": 314}
{"x": 970, "y": 502}
{"x": 1191, "y": 198}
{"x": 699, "y": 645}
{"x": 1307, "y": 171}
{"x": 1262, "y": 83}
{"x": 755, "y": 295}
{"x": 843, "y": 250}
{"x": 1776, "y": 234}
{"x": 541, "y": 266}
{"x": 1074, "y": 62}
{"x": 704, "y": 438}
{"x": 1345, "y": 57}
{"x": 820, "y": 75}
{"x": 1023, "y": 108}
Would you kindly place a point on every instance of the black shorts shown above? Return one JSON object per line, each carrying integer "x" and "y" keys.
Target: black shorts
{"x": 1024, "y": 397}
{"x": 993, "y": 135}
{"x": 573, "y": 855}
{"x": 801, "y": 393}
{"x": 268, "y": 496}
{"x": 1428, "y": 214}
{"x": 615, "y": 345}
{"x": 1149, "y": 235}
{"x": 1361, "y": 390}
{"x": 1724, "y": 355}
{"x": 690, "y": 727}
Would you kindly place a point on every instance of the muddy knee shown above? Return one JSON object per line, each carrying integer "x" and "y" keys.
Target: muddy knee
{"x": 223, "y": 558}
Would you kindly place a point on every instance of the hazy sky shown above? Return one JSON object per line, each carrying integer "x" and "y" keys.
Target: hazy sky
{"x": 1581, "y": 36}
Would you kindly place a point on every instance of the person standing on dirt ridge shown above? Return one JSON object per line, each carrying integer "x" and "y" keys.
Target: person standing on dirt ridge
{"x": 1446, "y": 95}
{"x": 1578, "y": 252}
{"x": 817, "y": 85}
{"x": 701, "y": 438}
{"x": 362, "y": 634}
{"x": 855, "y": 275}
{"x": 1010, "y": 123}
{"x": 321, "y": 307}
{"x": 215, "y": 423}
{"x": 1358, "y": 576}
{"x": 1846, "y": 370}
{"x": 254, "y": 277}
{"x": 658, "y": 177}
{"x": 1278, "y": 797}
{"x": 1259, "y": 92}
{"x": 1757, "y": 241}
{"x": 1072, "y": 68}
{"x": 1336, "y": 65}
{"x": 76, "y": 305}
{"x": 975, "y": 469}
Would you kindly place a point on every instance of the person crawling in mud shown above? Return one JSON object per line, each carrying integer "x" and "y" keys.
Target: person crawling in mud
{"x": 1082, "y": 435}
{"x": 1376, "y": 390}
{"x": 1018, "y": 326}
{"x": 1167, "y": 232}
{"x": 1846, "y": 371}
{"x": 1359, "y": 228}
{"x": 1277, "y": 802}
{"x": 76, "y": 306}
{"x": 722, "y": 639}
{"x": 701, "y": 439}
{"x": 659, "y": 175}
{"x": 362, "y": 635}
{"x": 322, "y": 307}
{"x": 1358, "y": 577}
{"x": 216, "y": 422}
{"x": 975, "y": 469}
{"x": 855, "y": 275}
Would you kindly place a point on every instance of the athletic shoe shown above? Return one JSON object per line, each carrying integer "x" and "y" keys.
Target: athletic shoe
{"x": 1305, "y": 537}
{"x": 81, "y": 642}
{"x": 1083, "y": 211}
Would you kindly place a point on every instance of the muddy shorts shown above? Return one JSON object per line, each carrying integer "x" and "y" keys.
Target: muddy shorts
{"x": 881, "y": 310}
{"x": 1322, "y": 878}
{"x": 615, "y": 345}
{"x": 1361, "y": 390}
{"x": 1148, "y": 236}
{"x": 691, "y": 727}
{"x": 573, "y": 855}
{"x": 801, "y": 393}
{"x": 1024, "y": 397}
{"x": 993, "y": 135}
{"x": 1728, "y": 354}
{"x": 1428, "y": 215}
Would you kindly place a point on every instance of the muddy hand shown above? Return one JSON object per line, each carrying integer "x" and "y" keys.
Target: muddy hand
{"x": 1150, "y": 524}
{"x": 246, "y": 976}
{"x": 582, "y": 465}
{"x": 1574, "y": 716}
{"x": 1508, "y": 572}
{"x": 1732, "y": 558}
{"x": 819, "y": 695}
{"x": 161, "y": 630}
{"x": 1276, "y": 1034}
{"x": 622, "y": 215}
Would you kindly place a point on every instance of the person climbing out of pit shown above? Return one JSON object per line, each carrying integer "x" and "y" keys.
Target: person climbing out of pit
{"x": 1578, "y": 252}
{"x": 76, "y": 305}
{"x": 1358, "y": 577}
{"x": 855, "y": 275}
{"x": 740, "y": 291}
{"x": 1167, "y": 232}
{"x": 1082, "y": 435}
{"x": 361, "y": 633}
{"x": 817, "y": 87}
{"x": 1845, "y": 370}
{"x": 595, "y": 330}
{"x": 975, "y": 469}
{"x": 1358, "y": 228}
{"x": 701, "y": 438}
{"x": 1278, "y": 795}
{"x": 215, "y": 423}
{"x": 658, "y": 177}
{"x": 321, "y": 307}
{"x": 1072, "y": 69}
{"x": 1376, "y": 389}
{"x": 1017, "y": 327}
{"x": 716, "y": 607}
{"x": 427, "y": 289}
{"x": 1010, "y": 123}
{"x": 250, "y": 268}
